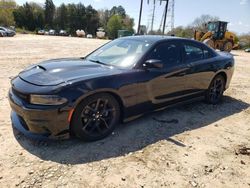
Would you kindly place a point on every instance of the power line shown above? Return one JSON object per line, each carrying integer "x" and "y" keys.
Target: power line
{"x": 167, "y": 20}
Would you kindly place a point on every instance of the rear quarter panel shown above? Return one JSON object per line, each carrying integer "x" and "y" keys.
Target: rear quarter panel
{"x": 226, "y": 64}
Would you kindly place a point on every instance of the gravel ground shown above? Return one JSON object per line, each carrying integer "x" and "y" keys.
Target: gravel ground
{"x": 195, "y": 145}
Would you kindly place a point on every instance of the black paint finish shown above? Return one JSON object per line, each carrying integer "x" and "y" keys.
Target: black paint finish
{"x": 137, "y": 89}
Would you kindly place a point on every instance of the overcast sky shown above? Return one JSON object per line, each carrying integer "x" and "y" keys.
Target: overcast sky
{"x": 237, "y": 12}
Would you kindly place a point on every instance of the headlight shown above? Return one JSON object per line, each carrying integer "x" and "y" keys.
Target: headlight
{"x": 47, "y": 99}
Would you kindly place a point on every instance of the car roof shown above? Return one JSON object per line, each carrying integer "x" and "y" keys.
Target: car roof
{"x": 157, "y": 38}
{"x": 153, "y": 39}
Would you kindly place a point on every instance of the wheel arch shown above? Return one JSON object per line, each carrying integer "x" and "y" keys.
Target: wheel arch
{"x": 107, "y": 91}
{"x": 224, "y": 75}
{"x": 119, "y": 100}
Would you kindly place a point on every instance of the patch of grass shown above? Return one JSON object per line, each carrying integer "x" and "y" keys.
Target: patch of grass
{"x": 23, "y": 31}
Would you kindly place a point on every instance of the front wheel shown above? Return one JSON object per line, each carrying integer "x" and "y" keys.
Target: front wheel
{"x": 215, "y": 91}
{"x": 228, "y": 46}
{"x": 95, "y": 117}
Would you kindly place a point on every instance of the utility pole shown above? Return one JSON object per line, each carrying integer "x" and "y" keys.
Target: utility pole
{"x": 162, "y": 18}
{"x": 172, "y": 15}
{"x": 139, "y": 23}
{"x": 165, "y": 17}
{"x": 153, "y": 18}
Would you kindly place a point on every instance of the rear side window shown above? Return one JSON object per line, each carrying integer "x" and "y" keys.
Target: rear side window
{"x": 208, "y": 54}
{"x": 192, "y": 53}
{"x": 168, "y": 53}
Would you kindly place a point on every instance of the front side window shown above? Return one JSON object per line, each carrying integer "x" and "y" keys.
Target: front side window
{"x": 168, "y": 53}
{"x": 120, "y": 52}
{"x": 192, "y": 53}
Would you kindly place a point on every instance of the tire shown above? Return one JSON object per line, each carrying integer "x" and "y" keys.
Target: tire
{"x": 95, "y": 117}
{"x": 215, "y": 90}
{"x": 209, "y": 42}
{"x": 228, "y": 46}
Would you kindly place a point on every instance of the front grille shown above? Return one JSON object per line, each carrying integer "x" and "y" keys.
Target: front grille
{"x": 20, "y": 95}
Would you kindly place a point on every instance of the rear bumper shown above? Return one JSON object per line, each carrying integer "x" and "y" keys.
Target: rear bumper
{"x": 229, "y": 77}
{"x": 39, "y": 123}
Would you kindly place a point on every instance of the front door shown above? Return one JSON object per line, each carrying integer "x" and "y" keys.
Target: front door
{"x": 167, "y": 83}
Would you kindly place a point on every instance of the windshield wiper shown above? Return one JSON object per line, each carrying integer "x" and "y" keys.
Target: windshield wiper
{"x": 99, "y": 62}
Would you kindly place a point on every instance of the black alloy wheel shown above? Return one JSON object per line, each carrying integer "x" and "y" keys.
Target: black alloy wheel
{"x": 96, "y": 117}
{"x": 216, "y": 89}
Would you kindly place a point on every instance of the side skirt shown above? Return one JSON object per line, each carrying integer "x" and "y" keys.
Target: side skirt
{"x": 189, "y": 101}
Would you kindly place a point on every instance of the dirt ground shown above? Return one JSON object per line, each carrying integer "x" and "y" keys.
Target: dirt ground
{"x": 194, "y": 145}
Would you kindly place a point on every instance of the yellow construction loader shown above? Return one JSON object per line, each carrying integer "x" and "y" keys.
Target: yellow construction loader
{"x": 217, "y": 36}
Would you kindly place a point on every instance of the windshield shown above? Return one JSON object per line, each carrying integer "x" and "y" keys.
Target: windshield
{"x": 120, "y": 52}
{"x": 213, "y": 26}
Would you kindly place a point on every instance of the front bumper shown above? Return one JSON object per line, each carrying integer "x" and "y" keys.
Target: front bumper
{"x": 39, "y": 123}
{"x": 17, "y": 124}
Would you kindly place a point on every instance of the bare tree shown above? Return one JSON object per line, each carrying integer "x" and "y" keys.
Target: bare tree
{"x": 186, "y": 32}
{"x": 200, "y": 22}
{"x": 104, "y": 16}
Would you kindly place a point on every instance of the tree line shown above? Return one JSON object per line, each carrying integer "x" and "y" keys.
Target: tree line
{"x": 32, "y": 16}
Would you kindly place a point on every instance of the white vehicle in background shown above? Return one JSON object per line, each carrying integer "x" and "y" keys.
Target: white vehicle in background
{"x": 63, "y": 33}
{"x": 52, "y": 32}
{"x": 41, "y": 32}
{"x": 3, "y": 33}
{"x": 80, "y": 33}
{"x": 89, "y": 36}
{"x": 100, "y": 33}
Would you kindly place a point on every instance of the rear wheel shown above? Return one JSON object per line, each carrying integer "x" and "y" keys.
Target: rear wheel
{"x": 228, "y": 46}
{"x": 215, "y": 91}
{"x": 96, "y": 117}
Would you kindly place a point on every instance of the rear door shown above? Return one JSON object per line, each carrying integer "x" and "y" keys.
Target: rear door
{"x": 200, "y": 61}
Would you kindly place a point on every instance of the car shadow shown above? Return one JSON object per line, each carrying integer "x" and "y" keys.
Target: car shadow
{"x": 233, "y": 54}
{"x": 135, "y": 135}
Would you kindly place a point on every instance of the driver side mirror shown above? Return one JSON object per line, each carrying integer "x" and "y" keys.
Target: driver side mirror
{"x": 153, "y": 63}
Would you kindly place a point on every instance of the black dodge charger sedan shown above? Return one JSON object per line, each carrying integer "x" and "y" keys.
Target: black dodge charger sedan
{"x": 87, "y": 97}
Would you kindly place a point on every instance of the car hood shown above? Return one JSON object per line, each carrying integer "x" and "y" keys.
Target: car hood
{"x": 58, "y": 71}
